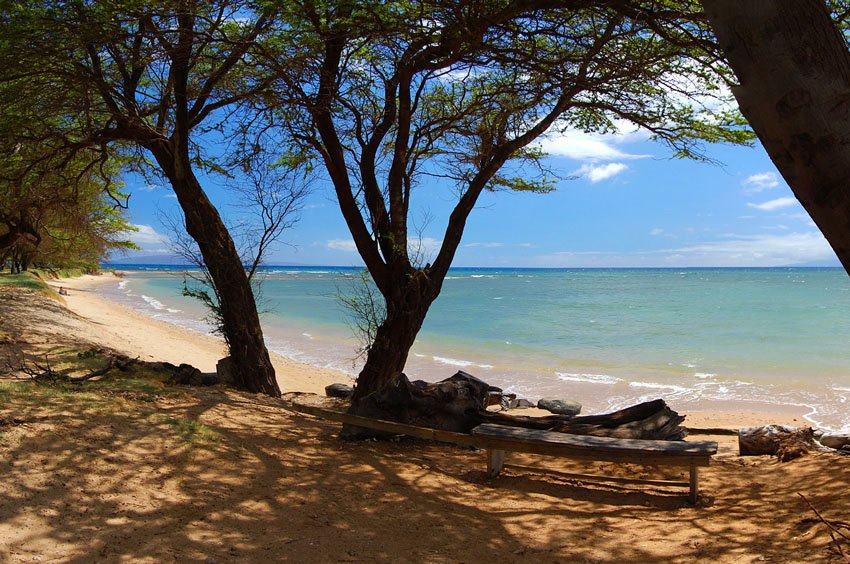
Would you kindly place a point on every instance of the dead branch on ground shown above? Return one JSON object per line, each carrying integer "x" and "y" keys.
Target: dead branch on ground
{"x": 833, "y": 527}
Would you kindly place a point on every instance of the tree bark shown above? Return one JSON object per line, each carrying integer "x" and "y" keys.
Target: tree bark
{"x": 242, "y": 330}
{"x": 794, "y": 72}
{"x": 407, "y": 305}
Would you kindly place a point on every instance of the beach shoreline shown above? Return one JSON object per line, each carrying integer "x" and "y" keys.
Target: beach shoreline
{"x": 134, "y": 333}
{"x": 137, "y": 334}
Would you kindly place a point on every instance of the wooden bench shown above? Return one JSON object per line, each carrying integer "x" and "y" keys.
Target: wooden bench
{"x": 500, "y": 439}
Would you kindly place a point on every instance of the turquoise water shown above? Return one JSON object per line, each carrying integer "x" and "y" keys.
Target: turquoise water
{"x": 605, "y": 337}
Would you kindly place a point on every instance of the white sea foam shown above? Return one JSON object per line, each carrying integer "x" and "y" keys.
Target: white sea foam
{"x": 459, "y": 363}
{"x": 499, "y": 298}
{"x": 704, "y": 375}
{"x": 657, "y": 386}
{"x": 153, "y": 302}
{"x": 840, "y": 389}
{"x": 481, "y": 276}
{"x": 589, "y": 378}
{"x": 308, "y": 335}
{"x": 452, "y": 361}
{"x": 158, "y": 305}
{"x": 122, "y": 284}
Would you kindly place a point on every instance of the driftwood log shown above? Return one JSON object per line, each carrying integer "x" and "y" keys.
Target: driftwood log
{"x": 787, "y": 443}
{"x": 459, "y": 404}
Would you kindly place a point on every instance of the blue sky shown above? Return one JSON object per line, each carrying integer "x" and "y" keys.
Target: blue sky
{"x": 626, "y": 203}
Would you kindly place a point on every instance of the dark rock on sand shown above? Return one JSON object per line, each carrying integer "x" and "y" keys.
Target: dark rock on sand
{"x": 560, "y": 407}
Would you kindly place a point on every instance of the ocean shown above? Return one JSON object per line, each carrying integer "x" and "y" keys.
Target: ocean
{"x": 736, "y": 337}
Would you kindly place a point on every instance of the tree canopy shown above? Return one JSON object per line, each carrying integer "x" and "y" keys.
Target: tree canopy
{"x": 391, "y": 96}
{"x": 148, "y": 79}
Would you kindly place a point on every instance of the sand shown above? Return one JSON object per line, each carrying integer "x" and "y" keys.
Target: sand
{"x": 136, "y": 334}
{"x": 116, "y": 479}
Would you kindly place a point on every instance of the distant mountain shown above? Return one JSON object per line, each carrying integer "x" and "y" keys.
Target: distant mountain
{"x": 818, "y": 264}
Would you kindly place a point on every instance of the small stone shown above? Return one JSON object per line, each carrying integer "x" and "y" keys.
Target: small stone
{"x": 560, "y": 407}
{"x": 835, "y": 441}
{"x": 521, "y": 403}
{"x": 339, "y": 391}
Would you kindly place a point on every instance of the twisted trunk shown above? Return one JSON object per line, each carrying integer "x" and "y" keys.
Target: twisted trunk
{"x": 241, "y": 322}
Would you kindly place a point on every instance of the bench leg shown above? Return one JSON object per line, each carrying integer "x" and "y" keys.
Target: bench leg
{"x": 694, "y": 496}
{"x": 495, "y": 461}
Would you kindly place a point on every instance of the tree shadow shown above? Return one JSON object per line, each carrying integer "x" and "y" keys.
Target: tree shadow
{"x": 143, "y": 482}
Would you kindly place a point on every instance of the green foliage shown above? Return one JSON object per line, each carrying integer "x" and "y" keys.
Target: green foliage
{"x": 459, "y": 92}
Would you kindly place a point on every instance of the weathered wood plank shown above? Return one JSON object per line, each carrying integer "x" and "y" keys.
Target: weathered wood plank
{"x": 547, "y": 442}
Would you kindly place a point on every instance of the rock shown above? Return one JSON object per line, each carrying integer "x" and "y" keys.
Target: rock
{"x": 837, "y": 442}
{"x": 339, "y": 391}
{"x": 188, "y": 375}
{"x": 226, "y": 370}
{"x": 521, "y": 403}
{"x": 560, "y": 407}
{"x": 210, "y": 379}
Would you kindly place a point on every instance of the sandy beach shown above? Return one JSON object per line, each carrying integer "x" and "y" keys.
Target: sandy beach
{"x": 214, "y": 475}
{"x": 136, "y": 334}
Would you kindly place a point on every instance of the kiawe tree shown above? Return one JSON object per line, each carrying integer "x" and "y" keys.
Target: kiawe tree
{"x": 155, "y": 76}
{"x": 390, "y": 96}
{"x": 66, "y": 218}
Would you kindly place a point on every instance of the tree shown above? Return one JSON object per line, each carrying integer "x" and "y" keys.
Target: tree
{"x": 58, "y": 218}
{"x": 394, "y": 95}
{"x": 157, "y": 76}
{"x": 793, "y": 69}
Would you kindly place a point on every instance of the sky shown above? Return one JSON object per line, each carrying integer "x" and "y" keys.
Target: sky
{"x": 623, "y": 202}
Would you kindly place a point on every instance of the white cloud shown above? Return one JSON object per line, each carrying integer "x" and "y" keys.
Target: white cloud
{"x": 656, "y": 231}
{"x": 772, "y": 205}
{"x": 582, "y": 146}
{"x": 598, "y": 173}
{"x": 148, "y": 188}
{"x": 346, "y": 245}
{"x": 424, "y": 249}
{"x": 733, "y": 251}
{"x": 761, "y": 181}
{"x": 761, "y": 250}
{"x": 149, "y": 239}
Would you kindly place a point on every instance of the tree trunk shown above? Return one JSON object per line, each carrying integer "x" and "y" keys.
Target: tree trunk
{"x": 794, "y": 72}
{"x": 407, "y": 305}
{"x": 242, "y": 330}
